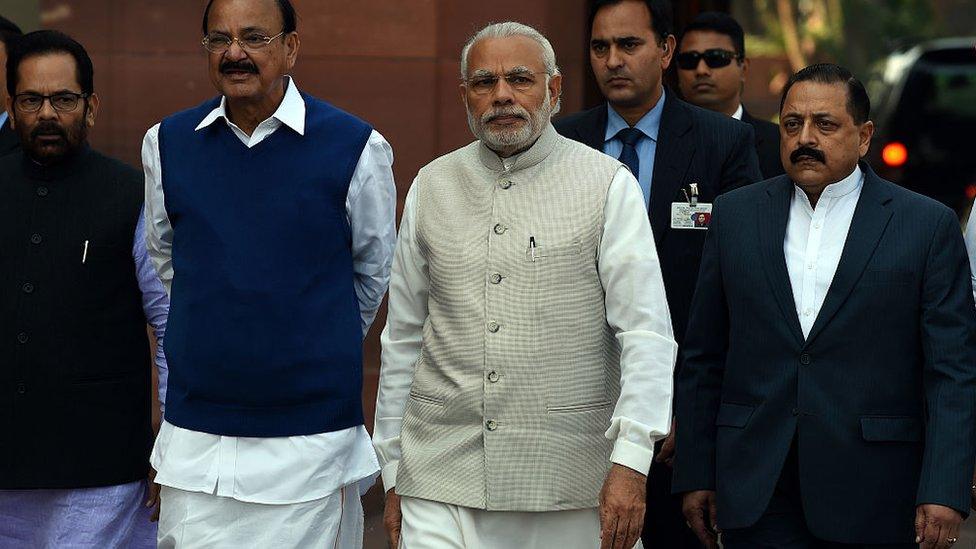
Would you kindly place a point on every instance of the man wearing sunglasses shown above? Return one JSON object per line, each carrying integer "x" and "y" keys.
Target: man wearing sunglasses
{"x": 712, "y": 68}
{"x": 77, "y": 290}
{"x": 271, "y": 222}
{"x": 683, "y": 157}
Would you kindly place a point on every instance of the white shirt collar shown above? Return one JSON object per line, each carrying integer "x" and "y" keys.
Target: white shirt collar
{"x": 738, "y": 113}
{"x": 291, "y": 111}
{"x": 836, "y": 190}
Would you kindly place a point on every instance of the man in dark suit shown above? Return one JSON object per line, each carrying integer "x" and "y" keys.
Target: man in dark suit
{"x": 712, "y": 69}
{"x": 683, "y": 157}
{"x": 9, "y": 31}
{"x": 828, "y": 393}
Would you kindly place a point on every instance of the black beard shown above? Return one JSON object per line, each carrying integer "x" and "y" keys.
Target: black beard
{"x": 73, "y": 139}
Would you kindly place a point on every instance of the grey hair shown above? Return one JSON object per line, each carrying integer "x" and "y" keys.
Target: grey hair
{"x": 509, "y": 29}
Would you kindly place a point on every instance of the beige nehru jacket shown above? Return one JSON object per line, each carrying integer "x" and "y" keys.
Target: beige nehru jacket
{"x": 519, "y": 370}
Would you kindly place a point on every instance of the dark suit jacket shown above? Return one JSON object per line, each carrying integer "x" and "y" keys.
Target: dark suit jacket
{"x": 881, "y": 397}
{"x": 767, "y": 145}
{"x": 694, "y": 146}
{"x": 9, "y": 141}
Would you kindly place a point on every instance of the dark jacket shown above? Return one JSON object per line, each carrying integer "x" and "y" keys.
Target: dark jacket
{"x": 694, "y": 146}
{"x": 880, "y": 397}
{"x": 767, "y": 145}
{"x": 9, "y": 141}
{"x": 75, "y": 388}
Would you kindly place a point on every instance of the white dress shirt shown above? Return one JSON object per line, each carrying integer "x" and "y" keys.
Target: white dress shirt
{"x": 294, "y": 469}
{"x": 971, "y": 246}
{"x": 738, "y": 112}
{"x": 636, "y": 307}
{"x": 815, "y": 239}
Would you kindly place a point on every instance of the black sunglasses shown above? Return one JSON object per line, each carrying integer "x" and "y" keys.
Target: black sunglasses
{"x": 714, "y": 58}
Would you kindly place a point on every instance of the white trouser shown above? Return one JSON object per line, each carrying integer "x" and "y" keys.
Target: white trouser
{"x": 194, "y": 519}
{"x": 432, "y": 525}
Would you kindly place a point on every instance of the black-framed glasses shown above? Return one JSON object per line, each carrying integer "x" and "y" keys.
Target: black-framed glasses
{"x": 61, "y": 102}
{"x": 218, "y": 42}
{"x": 715, "y": 58}
{"x": 484, "y": 83}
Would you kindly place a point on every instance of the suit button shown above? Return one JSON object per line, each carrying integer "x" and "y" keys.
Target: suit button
{"x": 495, "y": 278}
{"x": 505, "y": 184}
{"x": 804, "y": 359}
{"x": 36, "y": 238}
{"x": 500, "y": 229}
{"x": 21, "y": 388}
{"x": 493, "y": 376}
{"x": 22, "y": 337}
{"x": 491, "y": 425}
{"x": 28, "y": 288}
{"x": 493, "y": 327}
{"x": 42, "y": 191}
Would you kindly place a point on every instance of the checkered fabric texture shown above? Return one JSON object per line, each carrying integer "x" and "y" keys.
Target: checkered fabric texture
{"x": 519, "y": 371}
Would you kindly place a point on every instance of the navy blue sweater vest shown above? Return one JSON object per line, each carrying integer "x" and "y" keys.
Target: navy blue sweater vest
{"x": 264, "y": 336}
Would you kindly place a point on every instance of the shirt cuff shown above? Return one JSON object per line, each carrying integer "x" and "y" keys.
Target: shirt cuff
{"x": 389, "y": 473}
{"x": 626, "y": 453}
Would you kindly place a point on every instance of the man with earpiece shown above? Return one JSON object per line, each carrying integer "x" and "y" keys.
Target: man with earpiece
{"x": 682, "y": 156}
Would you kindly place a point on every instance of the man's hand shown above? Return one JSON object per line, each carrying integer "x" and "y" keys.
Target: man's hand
{"x": 935, "y": 525}
{"x": 392, "y": 518}
{"x": 622, "y": 503}
{"x": 972, "y": 493}
{"x": 666, "y": 454}
{"x": 699, "y": 510}
{"x": 152, "y": 495}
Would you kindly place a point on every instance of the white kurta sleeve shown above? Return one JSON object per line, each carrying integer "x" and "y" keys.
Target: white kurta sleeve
{"x": 401, "y": 341}
{"x": 637, "y": 309}
{"x": 159, "y": 232}
{"x": 371, "y": 210}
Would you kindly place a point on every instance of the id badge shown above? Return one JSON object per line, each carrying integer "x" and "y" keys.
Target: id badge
{"x": 687, "y": 216}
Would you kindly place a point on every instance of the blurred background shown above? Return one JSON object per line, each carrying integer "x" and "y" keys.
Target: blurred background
{"x": 395, "y": 63}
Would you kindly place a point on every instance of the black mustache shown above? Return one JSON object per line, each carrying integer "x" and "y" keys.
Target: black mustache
{"x": 807, "y": 151}
{"x": 48, "y": 128}
{"x": 228, "y": 66}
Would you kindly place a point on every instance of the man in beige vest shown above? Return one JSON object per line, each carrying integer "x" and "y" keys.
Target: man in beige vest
{"x": 528, "y": 354}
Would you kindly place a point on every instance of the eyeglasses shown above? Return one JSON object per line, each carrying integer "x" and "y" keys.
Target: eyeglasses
{"x": 216, "y": 42}
{"x": 714, "y": 58}
{"x": 484, "y": 83}
{"x": 61, "y": 102}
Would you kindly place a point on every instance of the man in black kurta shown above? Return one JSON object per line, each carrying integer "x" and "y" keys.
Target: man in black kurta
{"x": 76, "y": 289}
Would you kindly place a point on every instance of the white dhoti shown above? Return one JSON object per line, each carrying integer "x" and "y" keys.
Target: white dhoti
{"x": 195, "y": 519}
{"x": 433, "y": 525}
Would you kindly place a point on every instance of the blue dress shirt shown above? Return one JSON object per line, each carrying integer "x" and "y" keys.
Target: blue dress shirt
{"x": 646, "y": 146}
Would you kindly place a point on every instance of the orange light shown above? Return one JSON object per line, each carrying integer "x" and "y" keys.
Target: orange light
{"x": 894, "y": 154}
{"x": 971, "y": 191}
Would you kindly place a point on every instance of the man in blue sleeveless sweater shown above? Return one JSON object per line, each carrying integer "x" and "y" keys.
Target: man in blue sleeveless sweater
{"x": 270, "y": 218}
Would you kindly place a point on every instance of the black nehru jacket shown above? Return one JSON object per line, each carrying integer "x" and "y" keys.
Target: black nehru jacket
{"x": 74, "y": 354}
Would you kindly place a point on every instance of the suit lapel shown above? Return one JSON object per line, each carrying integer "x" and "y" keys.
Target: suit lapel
{"x": 592, "y": 128}
{"x": 8, "y": 138}
{"x": 871, "y": 216}
{"x": 748, "y": 119}
{"x": 773, "y": 216}
{"x": 673, "y": 154}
